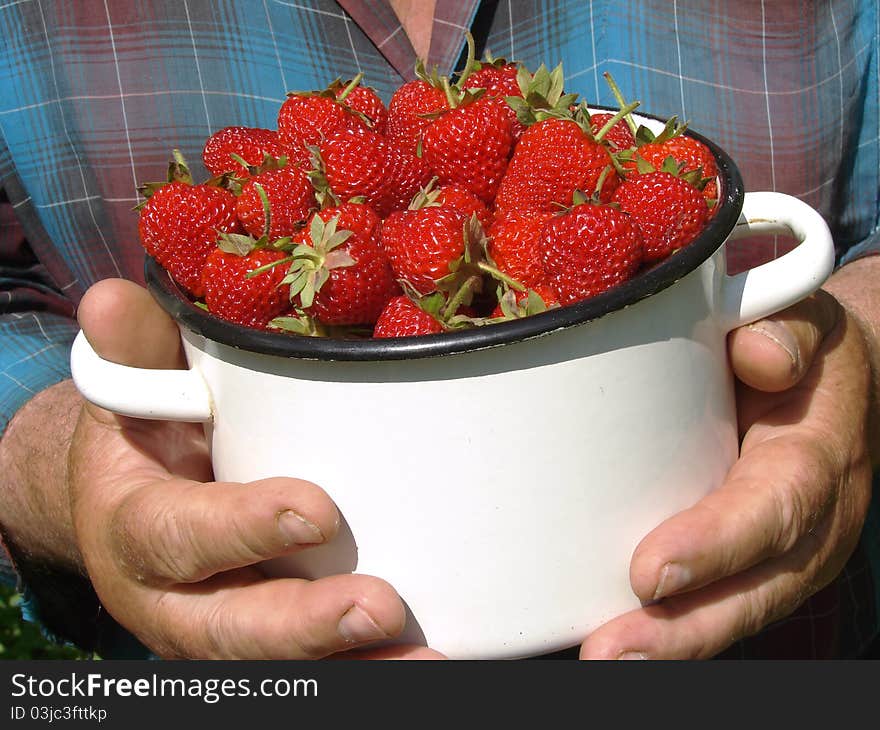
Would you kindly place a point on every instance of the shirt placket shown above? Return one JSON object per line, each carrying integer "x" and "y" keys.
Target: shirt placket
{"x": 378, "y": 21}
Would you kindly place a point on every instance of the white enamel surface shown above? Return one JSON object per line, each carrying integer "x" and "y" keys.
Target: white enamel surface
{"x": 782, "y": 282}
{"x": 175, "y": 395}
{"x": 502, "y": 492}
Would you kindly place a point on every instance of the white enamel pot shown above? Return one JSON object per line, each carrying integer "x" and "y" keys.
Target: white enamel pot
{"x": 498, "y": 478}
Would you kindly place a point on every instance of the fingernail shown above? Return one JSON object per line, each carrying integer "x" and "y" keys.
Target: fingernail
{"x": 781, "y": 335}
{"x": 297, "y": 530}
{"x": 356, "y": 626}
{"x": 632, "y": 655}
{"x": 673, "y": 578}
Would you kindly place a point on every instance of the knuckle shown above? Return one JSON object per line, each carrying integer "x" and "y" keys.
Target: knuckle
{"x": 169, "y": 641}
{"x": 153, "y": 541}
{"x": 797, "y": 503}
{"x": 251, "y": 543}
{"x": 221, "y": 632}
{"x": 747, "y": 621}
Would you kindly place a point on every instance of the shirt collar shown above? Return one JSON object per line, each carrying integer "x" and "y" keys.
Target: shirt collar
{"x": 376, "y": 18}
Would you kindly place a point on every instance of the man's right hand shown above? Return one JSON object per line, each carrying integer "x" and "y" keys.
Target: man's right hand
{"x": 171, "y": 553}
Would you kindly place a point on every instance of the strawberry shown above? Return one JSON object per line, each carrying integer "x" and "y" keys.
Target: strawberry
{"x": 289, "y": 201}
{"x": 588, "y": 250}
{"x": 402, "y": 317}
{"x": 469, "y": 145}
{"x": 307, "y": 117}
{"x": 250, "y": 144}
{"x": 689, "y": 153}
{"x": 558, "y": 153}
{"x": 406, "y": 174}
{"x": 554, "y": 158}
{"x": 691, "y": 157}
{"x": 618, "y": 136}
{"x": 424, "y": 244}
{"x": 180, "y": 221}
{"x": 365, "y": 101}
{"x": 410, "y": 107}
{"x": 454, "y": 196}
{"x": 500, "y": 79}
{"x": 514, "y": 246}
{"x": 360, "y": 163}
{"x": 230, "y": 293}
{"x": 340, "y": 274}
{"x": 669, "y": 211}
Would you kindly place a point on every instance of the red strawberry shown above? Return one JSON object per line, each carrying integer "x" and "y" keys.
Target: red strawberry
{"x": 406, "y": 175}
{"x": 306, "y": 118}
{"x": 554, "y": 158}
{"x": 232, "y": 295}
{"x": 290, "y": 198}
{"x": 456, "y": 197}
{"x": 588, "y": 250}
{"x": 691, "y": 157}
{"x": 669, "y": 211}
{"x": 689, "y": 153}
{"x": 179, "y": 223}
{"x": 402, "y": 317}
{"x": 251, "y": 144}
{"x": 365, "y": 100}
{"x": 422, "y": 244}
{"x": 500, "y": 80}
{"x": 470, "y": 146}
{"x": 408, "y": 107}
{"x": 618, "y": 136}
{"x": 514, "y": 246}
{"x": 360, "y": 163}
{"x": 340, "y": 274}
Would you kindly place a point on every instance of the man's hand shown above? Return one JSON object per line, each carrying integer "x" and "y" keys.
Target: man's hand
{"x": 791, "y": 510}
{"x": 171, "y": 554}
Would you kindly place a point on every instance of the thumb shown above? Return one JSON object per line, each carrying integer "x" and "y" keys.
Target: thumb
{"x": 124, "y": 324}
{"x": 774, "y": 353}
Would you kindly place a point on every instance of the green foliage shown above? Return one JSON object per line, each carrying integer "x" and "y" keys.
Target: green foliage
{"x": 20, "y": 639}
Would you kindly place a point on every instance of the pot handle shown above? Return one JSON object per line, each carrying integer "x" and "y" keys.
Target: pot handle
{"x": 165, "y": 395}
{"x": 771, "y": 287}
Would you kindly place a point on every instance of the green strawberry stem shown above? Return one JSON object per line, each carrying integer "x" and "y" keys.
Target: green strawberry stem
{"x": 615, "y": 89}
{"x": 451, "y": 97}
{"x": 470, "y": 64}
{"x": 267, "y": 214}
{"x": 240, "y": 160}
{"x": 597, "y": 193}
{"x": 318, "y": 178}
{"x": 463, "y": 295}
{"x": 623, "y": 113}
{"x": 178, "y": 170}
{"x": 500, "y": 276}
{"x": 266, "y": 267}
{"x": 352, "y": 85}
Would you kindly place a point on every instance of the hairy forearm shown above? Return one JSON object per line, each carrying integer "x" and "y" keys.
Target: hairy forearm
{"x": 34, "y": 505}
{"x": 857, "y": 287}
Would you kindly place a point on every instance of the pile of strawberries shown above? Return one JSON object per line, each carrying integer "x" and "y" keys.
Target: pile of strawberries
{"x": 461, "y": 203}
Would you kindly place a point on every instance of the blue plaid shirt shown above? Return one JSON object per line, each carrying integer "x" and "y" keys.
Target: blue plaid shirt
{"x": 94, "y": 95}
